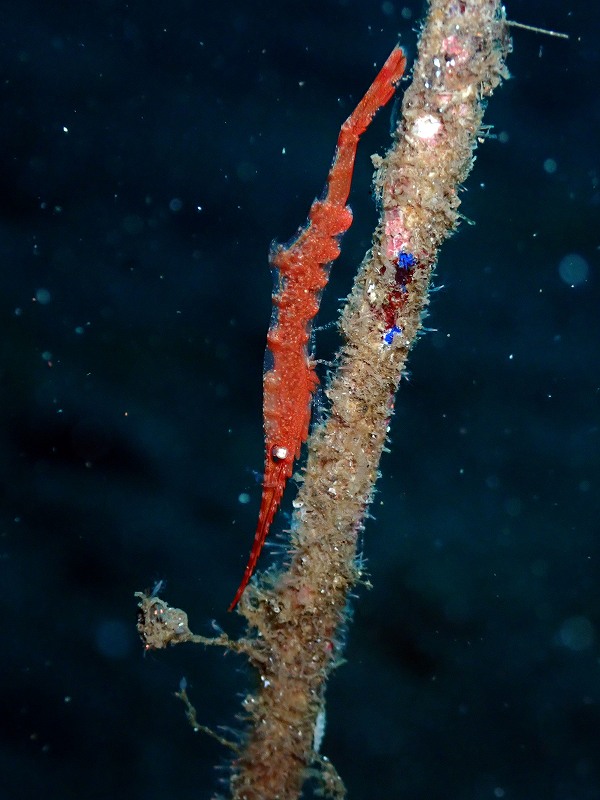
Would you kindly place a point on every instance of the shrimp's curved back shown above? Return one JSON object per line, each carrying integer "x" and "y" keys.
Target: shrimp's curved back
{"x": 303, "y": 265}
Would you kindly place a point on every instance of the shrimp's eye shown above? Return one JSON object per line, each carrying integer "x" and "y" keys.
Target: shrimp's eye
{"x": 279, "y": 453}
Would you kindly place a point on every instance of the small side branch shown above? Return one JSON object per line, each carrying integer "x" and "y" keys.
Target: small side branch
{"x": 192, "y": 717}
{"x": 161, "y": 625}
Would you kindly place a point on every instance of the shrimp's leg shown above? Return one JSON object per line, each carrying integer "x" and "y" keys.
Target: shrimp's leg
{"x": 377, "y": 95}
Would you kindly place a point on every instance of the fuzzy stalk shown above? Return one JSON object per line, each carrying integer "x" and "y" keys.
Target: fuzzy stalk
{"x": 296, "y": 617}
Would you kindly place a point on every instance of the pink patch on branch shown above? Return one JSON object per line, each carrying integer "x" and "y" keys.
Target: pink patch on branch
{"x": 454, "y": 51}
{"x": 396, "y": 235}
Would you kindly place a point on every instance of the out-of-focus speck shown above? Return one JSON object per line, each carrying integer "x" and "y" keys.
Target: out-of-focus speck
{"x": 512, "y": 506}
{"x": 573, "y": 269}
{"x": 550, "y": 166}
{"x": 46, "y": 355}
{"x": 79, "y": 330}
{"x": 18, "y": 311}
{"x": 492, "y": 482}
{"x": 576, "y": 633}
{"x": 113, "y": 639}
{"x": 133, "y": 224}
{"x": 503, "y": 137}
{"x": 246, "y": 171}
{"x": 43, "y": 296}
{"x": 175, "y": 205}
{"x": 539, "y": 568}
{"x": 244, "y": 498}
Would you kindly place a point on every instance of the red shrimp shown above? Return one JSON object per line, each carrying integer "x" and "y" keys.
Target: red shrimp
{"x": 303, "y": 272}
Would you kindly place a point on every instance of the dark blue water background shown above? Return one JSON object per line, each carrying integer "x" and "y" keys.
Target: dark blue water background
{"x": 150, "y": 153}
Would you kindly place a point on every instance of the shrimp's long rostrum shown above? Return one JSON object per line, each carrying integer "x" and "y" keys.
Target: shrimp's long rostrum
{"x": 303, "y": 271}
